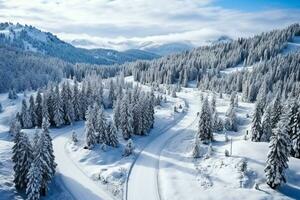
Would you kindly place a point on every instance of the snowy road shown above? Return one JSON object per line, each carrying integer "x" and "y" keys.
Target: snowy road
{"x": 143, "y": 180}
{"x": 70, "y": 176}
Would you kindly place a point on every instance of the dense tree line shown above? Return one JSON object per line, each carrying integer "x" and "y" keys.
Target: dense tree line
{"x": 133, "y": 113}
{"x": 72, "y": 101}
{"x": 21, "y": 71}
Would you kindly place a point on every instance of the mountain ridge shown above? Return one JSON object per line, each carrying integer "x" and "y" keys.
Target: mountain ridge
{"x": 29, "y": 38}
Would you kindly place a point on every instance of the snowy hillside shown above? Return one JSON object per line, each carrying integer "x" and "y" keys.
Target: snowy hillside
{"x": 29, "y": 38}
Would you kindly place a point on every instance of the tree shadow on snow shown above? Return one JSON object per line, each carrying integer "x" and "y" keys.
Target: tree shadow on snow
{"x": 290, "y": 191}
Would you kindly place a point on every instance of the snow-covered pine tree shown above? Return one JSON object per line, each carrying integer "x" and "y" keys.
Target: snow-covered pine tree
{"x": 31, "y": 110}
{"x": 45, "y": 106}
{"x": 1, "y": 108}
{"x": 76, "y": 101}
{"x": 294, "y": 127}
{"x": 174, "y": 95}
{"x": 15, "y": 127}
{"x": 34, "y": 177}
{"x": 39, "y": 109}
{"x": 276, "y": 110}
{"x": 137, "y": 115}
{"x": 126, "y": 121}
{"x": 266, "y": 125}
{"x": 279, "y": 152}
{"x": 90, "y": 137}
{"x": 83, "y": 100}
{"x": 26, "y": 118}
{"x": 261, "y": 97}
{"x": 128, "y": 148}
{"x": 36, "y": 139}
{"x": 58, "y": 115}
{"x": 68, "y": 107}
{"x": 205, "y": 123}
{"x": 231, "y": 123}
{"x": 117, "y": 113}
{"x": 150, "y": 109}
{"x": 196, "y": 149}
{"x": 50, "y": 102}
{"x": 111, "y": 94}
{"x": 256, "y": 128}
{"x": 111, "y": 135}
{"x": 100, "y": 124}
{"x": 217, "y": 123}
{"x": 47, "y": 156}
{"x": 74, "y": 137}
{"x": 22, "y": 158}
{"x": 12, "y": 94}
{"x": 185, "y": 79}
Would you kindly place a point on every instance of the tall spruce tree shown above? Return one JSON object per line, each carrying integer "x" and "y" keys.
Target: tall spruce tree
{"x": 276, "y": 110}
{"x": 47, "y": 156}
{"x": 294, "y": 126}
{"x": 279, "y": 151}
{"x": 76, "y": 101}
{"x": 25, "y": 116}
{"x": 111, "y": 135}
{"x": 58, "y": 115}
{"x": 100, "y": 125}
{"x": 34, "y": 177}
{"x": 205, "y": 123}
{"x": 39, "y": 109}
{"x": 267, "y": 125}
{"x": 117, "y": 113}
{"x": 22, "y": 158}
{"x": 126, "y": 120}
{"x": 256, "y": 124}
{"x": 31, "y": 110}
{"x": 90, "y": 137}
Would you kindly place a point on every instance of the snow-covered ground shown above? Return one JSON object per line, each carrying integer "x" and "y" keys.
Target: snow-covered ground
{"x": 217, "y": 177}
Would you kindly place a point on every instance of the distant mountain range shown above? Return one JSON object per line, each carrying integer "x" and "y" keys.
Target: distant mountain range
{"x": 29, "y": 38}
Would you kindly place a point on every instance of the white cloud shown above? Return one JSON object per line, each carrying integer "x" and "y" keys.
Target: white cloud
{"x": 125, "y": 24}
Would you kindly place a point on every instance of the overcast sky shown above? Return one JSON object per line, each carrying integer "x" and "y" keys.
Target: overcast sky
{"x": 123, "y": 24}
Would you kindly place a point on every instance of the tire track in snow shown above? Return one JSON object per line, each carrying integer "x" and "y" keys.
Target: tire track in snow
{"x": 162, "y": 130}
{"x": 170, "y": 139}
{"x": 143, "y": 180}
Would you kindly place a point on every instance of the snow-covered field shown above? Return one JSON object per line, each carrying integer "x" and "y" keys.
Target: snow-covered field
{"x": 218, "y": 177}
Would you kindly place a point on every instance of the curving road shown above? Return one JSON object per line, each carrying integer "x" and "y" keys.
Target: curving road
{"x": 70, "y": 177}
{"x": 143, "y": 179}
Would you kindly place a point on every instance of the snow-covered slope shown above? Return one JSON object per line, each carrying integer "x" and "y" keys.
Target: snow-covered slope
{"x": 29, "y": 38}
